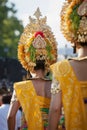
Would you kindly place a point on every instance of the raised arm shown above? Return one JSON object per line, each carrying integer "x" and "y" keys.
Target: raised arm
{"x": 14, "y": 106}
{"x": 55, "y": 106}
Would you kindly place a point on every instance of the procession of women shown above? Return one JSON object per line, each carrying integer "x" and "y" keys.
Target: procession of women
{"x": 54, "y": 96}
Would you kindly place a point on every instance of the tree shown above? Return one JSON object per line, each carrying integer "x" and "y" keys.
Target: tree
{"x": 10, "y": 29}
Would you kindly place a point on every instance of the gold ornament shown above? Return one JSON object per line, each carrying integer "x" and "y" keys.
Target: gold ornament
{"x": 37, "y": 42}
{"x": 55, "y": 87}
{"x": 74, "y": 20}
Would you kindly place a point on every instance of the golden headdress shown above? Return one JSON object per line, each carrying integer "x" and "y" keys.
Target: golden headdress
{"x": 74, "y": 21}
{"x": 37, "y": 42}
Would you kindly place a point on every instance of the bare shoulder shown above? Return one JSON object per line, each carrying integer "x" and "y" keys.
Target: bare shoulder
{"x": 48, "y": 83}
{"x": 78, "y": 63}
{"x": 72, "y": 62}
{"x": 80, "y": 69}
{"x": 48, "y": 89}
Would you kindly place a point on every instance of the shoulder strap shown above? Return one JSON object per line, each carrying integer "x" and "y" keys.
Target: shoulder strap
{"x": 28, "y": 99}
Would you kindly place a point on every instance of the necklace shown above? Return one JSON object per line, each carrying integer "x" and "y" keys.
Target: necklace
{"x": 41, "y": 78}
{"x": 79, "y": 58}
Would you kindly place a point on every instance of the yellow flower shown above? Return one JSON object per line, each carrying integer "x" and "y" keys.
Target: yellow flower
{"x": 30, "y": 41}
{"x": 21, "y": 47}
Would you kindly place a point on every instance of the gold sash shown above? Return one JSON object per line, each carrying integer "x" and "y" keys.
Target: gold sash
{"x": 28, "y": 99}
{"x": 74, "y": 108}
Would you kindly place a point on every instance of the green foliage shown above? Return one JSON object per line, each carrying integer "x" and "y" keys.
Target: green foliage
{"x": 32, "y": 51}
{"x": 10, "y": 29}
{"x": 75, "y": 18}
{"x": 49, "y": 48}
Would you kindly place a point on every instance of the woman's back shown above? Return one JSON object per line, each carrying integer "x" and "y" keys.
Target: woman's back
{"x": 80, "y": 69}
{"x": 42, "y": 87}
{"x": 69, "y": 75}
{"x": 34, "y": 96}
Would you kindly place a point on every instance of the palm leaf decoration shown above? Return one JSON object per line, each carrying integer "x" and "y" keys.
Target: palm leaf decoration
{"x": 49, "y": 49}
{"x": 32, "y": 52}
{"x": 75, "y": 18}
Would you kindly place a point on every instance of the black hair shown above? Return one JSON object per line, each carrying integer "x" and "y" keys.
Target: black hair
{"x": 40, "y": 64}
{"x": 6, "y": 98}
{"x": 74, "y": 49}
{"x": 83, "y": 44}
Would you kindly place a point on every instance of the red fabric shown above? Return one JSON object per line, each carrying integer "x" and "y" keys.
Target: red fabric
{"x": 39, "y": 33}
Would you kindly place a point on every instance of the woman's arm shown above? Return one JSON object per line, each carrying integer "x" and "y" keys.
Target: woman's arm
{"x": 14, "y": 106}
{"x": 55, "y": 111}
{"x": 55, "y": 105}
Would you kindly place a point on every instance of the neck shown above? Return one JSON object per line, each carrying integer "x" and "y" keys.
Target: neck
{"x": 82, "y": 52}
{"x": 39, "y": 74}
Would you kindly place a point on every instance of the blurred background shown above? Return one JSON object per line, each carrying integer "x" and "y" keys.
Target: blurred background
{"x": 10, "y": 29}
{"x": 13, "y": 18}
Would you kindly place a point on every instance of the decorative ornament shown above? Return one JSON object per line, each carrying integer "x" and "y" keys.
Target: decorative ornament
{"x": 37, "y": 42}
{"x": 74, "y": 20}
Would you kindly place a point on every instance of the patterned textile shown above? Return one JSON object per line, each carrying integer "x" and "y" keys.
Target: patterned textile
{"x": 73, "y": 92}
{"x": 34, "y": 107}
{"x": 44, "y": 111}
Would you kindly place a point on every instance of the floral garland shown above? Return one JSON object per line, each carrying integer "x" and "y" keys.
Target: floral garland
{"x": 28, "y": 54}
{"x": 71, "y": 22}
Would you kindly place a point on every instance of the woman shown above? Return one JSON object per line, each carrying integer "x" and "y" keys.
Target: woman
{"x": 36, "y": 51}
{"x": 69, "y": 88}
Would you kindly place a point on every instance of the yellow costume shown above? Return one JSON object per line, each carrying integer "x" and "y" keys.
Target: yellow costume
{"x": 73, "y": 94}
{"x": 33, "y": 105}
{"x": 37, "y": 44}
